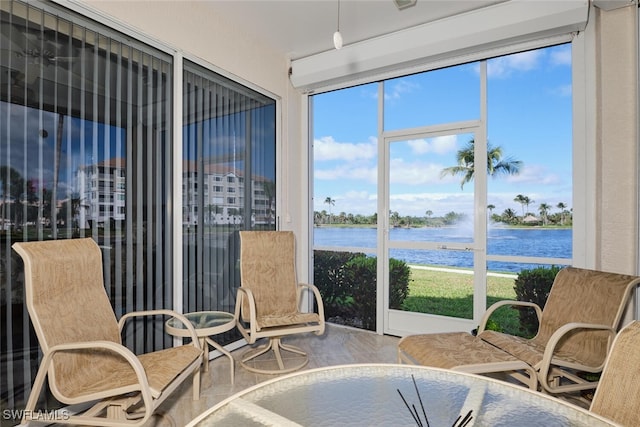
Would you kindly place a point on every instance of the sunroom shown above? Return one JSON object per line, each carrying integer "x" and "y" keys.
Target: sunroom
{"x": 161, "y": 128}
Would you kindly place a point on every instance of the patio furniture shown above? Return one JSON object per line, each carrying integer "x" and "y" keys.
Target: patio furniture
{"x": 618, "y": 394}
{"x": 375, "y": 395}
{"x": 269, "y": 300}
{"x": 576, "y": 328}
{"x": 83, "y": 356}
{"x": 206, "y": 324}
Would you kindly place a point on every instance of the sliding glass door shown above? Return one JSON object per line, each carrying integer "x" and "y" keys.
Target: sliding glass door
{"x": 87, "y": 125}
{"x": 228, "y": 183}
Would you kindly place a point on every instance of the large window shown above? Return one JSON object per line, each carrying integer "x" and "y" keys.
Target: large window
{"x": 408, "y": 188}
{"x": 86, "y": 150}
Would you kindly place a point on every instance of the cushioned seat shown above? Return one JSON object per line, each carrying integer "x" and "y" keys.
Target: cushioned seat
{"x": 576, "y": 327}
{"x": 618, "y": 394}
{"x": 83, "y": 356}
{"x": 269, "y": 302}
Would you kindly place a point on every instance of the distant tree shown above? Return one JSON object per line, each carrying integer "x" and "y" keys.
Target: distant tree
{"x": 509, "y": 216}
{"x": 544, "y": 208}
{"x": 453, "y": 217}
{"x": 524, "y": 201}
{"x": 11, "y": 184}
{"x": 395, "y": 218}
{"x": 329, "y": 201}
{"x": 495, "y": 163}
{"x": 270, "y": 193}
{"x": 562, "y": 208}
{"x": 491, "y": 208}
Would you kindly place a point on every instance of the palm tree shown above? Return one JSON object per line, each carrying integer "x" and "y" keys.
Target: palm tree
{"x": 495, "y": 164}
{"x": 330, "y": 202}
{"x": 524, "y": 201}
{"x": 544, "y": 208}
{"x": 509, "y": 216}
{"x": 562, "y": 208}
{"x": 491, "y": 208}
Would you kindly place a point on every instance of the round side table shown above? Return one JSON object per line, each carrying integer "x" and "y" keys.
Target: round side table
{"x": 207, "y": 324}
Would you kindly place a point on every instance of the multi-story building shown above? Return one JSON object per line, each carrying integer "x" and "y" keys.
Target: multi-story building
{"x": 101, "y": 187}
{"x": 102, "y": 190}
{"x": 223, "y": 192}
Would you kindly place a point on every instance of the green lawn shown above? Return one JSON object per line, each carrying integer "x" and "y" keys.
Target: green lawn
{"x": 451, "y": 294}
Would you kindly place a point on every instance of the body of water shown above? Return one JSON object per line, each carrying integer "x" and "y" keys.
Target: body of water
{"x": 529, "y": 242}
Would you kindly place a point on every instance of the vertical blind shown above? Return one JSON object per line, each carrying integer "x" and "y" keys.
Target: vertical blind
{"x": 228, "y": 182}
{"x": 85, "y": 151}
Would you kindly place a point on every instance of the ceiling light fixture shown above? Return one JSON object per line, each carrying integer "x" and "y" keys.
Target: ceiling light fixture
{"x": 403, "y": 4}
{"x": 337, "y": 37}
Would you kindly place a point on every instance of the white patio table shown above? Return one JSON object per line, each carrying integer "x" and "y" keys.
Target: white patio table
{"x": 381, "y": 395}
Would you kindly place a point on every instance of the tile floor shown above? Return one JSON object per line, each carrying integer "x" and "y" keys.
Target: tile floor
{"x": 339, "y": 345}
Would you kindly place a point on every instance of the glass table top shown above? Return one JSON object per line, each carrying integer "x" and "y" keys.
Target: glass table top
{"x": 204, "y": 320}
{"x": 374, "y": 394}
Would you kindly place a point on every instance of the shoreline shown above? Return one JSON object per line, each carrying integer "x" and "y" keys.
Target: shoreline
{"x": 494, "y": 227}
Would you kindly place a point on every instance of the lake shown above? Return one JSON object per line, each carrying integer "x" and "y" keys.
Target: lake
{"x": 530, "y": 242}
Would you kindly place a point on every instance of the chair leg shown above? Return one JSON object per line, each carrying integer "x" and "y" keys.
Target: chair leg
{"x": 275, "y": 345}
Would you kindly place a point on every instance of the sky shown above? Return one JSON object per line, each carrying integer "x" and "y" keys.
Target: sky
{"x": 529, "y": 116}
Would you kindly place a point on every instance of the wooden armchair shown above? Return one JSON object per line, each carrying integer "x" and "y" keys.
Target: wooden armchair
{"x": 83, "y": 356}
{"x": 580, "y": 318}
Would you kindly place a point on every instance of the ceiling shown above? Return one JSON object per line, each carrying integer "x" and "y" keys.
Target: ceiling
{"x": 299, "y": 28}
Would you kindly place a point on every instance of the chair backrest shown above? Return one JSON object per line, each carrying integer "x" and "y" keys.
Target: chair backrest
{"x": 66, "y": 299}
{"x": 618, "y": 394}
{"x": 267, "y": 268}
{"x": 589, "y": 296}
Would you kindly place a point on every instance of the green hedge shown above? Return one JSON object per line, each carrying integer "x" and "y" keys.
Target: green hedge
{"x": 347, "y": 283}
{"x": 533, "y": 286}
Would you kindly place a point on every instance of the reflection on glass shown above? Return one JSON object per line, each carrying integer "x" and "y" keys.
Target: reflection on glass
{"x": 228, "y": 183}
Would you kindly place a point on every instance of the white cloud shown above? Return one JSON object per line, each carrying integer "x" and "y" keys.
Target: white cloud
{"x": 440, "y": 145}
{"x": 564, "y": 90}
{"x": 367, "y": 174}
{"x": 327, "y": 148}
{"x": 416, "y": 204}
{"x": 503, "y": 66}
{"x": 353, "y": 202}
{"x": 414, "y": 173}
{"x": 396, "y": 89}
{"x": 534, "y": 174}
{"x": 561, "y": 55}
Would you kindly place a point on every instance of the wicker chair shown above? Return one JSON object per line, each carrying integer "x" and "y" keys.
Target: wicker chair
{"x": 618, "y": 394}
{"x": 83, "y": 356}
{"x": 576, "y": 328}
{"x": 269, "y": 299}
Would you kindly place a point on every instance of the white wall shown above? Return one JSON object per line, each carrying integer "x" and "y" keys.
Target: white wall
{"x": 617, "y": 140}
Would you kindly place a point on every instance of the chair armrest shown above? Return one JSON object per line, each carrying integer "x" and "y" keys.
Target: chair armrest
{"x": 547, "y": 359}
{"x": 241, "y": 295}
{"x": 498, "y": 304}
{"x": 316, "y": 294}
{"x": 148, "y": 394}
{"x": 162, "y": 312}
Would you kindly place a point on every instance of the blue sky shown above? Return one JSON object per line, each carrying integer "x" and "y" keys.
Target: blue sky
{"x": 529, "y": 116}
